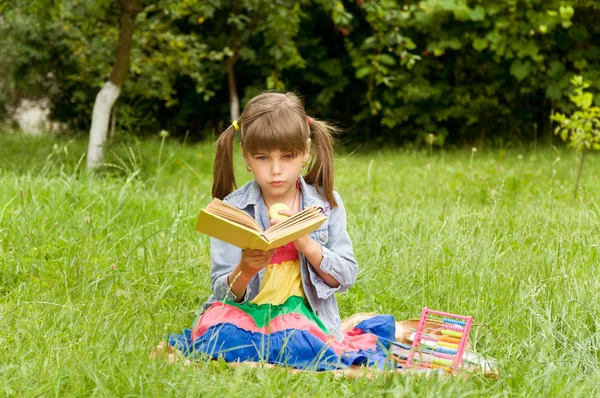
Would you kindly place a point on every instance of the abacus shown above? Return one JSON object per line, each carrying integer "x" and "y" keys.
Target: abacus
{"x": 444, "y": 351}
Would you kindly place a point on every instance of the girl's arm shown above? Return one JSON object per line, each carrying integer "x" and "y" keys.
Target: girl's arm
{"x": 223, "y": 258}
{"x": 232, "y": 270}
{"x": 334, "y": 267}
{"x": 314, "y": 254}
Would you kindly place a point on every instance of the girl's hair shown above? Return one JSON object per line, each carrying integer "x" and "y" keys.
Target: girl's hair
{"x": 277, "y": 121}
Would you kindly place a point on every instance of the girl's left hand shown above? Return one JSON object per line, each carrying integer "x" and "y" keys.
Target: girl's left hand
{"x": 311, "y": 249}
{"x": 300, "y": 243}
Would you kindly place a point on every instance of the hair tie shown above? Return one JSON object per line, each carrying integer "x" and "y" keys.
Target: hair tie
{"x": 235, "y": 125}
{"x": 308, "y": 120}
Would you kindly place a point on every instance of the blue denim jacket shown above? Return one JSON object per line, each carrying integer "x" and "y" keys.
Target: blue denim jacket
{"x": 338, "y": 257}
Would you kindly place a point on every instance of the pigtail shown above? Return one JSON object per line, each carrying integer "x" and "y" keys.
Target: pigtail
{"x": 223, "y": 170}
{"x": 320, "y": 172}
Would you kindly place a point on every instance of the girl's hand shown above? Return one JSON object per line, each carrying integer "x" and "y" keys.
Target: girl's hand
{"x": 283, "y": 212}
{"x": 251, "y": 262}
{"x": 312, "y": 250}
{"x": 301, "y": 243}
{"x": 254, "y": 260}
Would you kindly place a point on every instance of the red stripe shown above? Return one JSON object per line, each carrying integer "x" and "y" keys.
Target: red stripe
{"x": 285, "y": 253}
{"x": 223, "y": 313}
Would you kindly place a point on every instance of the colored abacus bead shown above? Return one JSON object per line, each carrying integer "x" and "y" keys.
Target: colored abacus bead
{"x": 454, "y": 321}
{"x": 445, "y": 368}
{"x": 439, "y": 361}
{"x": 453, "y": 327}
{"x": 449, "y": 345}
{"x": 452, "y": 333}
{"x": 445, "y": 350}
{"x": 449, "y": 339}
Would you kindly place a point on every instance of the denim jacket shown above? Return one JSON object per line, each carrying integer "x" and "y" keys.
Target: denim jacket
{"x": 338, "y": 257}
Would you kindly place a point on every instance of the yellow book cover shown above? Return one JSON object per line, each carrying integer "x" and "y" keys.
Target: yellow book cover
{"x": 230, "y": 224}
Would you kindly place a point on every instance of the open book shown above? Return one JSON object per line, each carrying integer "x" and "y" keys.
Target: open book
{"x": 230, "y": 224}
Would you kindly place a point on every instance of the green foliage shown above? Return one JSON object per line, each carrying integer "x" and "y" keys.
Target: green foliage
{"x": 482, "y": 62}
{"x": 580, "y": 129}
{"x": 465, "y": 71}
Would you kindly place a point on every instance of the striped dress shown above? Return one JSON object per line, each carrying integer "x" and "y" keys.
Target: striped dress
{"x": 279, "y": 327}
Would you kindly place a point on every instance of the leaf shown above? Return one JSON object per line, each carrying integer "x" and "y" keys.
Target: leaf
{"x": 530, "y": 49}
{"x": 387, "y": 59}
{"x": 480, "y": 44}
{"x": 566, "y": 12}
{"x": 520, "y": 69}
{"x": 587, "y": 100}
{"x": 553, "y": 92}
{"x": 579, "y": 33}
{"x": 363, "y": 71}
{"x": 566, "y": 24}
{"x": 409, "y": 44}
{"x": 556, "y": 69}
{"x": 477, "y": 14}
{"x": 580, "y": 64}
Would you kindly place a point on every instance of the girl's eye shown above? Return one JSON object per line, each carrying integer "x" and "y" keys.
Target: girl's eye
{"x": 288, "y": 156}
{"x": 261, "y": 157}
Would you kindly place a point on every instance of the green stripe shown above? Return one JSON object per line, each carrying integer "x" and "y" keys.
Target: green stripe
{"x": 264, "y": 313}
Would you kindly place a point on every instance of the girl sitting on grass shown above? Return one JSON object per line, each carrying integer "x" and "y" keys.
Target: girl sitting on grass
{"x": 280, "y": 305}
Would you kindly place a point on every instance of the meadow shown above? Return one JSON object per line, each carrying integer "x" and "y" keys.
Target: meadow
{"x": 96, "y": 270}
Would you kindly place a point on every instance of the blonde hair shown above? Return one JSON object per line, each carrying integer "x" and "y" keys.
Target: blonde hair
{"x": 277, "y": 121}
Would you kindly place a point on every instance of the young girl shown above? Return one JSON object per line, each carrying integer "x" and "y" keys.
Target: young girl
{"x": 280, "y": 305}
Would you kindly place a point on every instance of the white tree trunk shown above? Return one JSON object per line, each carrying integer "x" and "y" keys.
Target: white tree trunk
{"x": 100, "y": 119}
{"x": 113, "y": 123}
{"x": 234, "y": 105}
{"x": 234, "y": 99}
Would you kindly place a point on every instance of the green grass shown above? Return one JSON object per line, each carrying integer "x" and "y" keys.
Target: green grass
{"x": 96, "y": 270}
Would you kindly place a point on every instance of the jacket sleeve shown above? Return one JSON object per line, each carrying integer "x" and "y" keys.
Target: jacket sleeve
{"x": 338, "y": 256}
{"x": 224, "y": 258}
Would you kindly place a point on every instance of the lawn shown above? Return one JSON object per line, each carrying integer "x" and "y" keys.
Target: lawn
{"x": 95, "y": 270}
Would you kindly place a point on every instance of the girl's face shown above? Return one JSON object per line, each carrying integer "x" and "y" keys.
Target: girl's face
{"x": 276, "y": 173}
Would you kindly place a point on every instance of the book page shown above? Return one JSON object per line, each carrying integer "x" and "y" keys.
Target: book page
{"x": 233, "y": 214}
{"x": 287, "y": 224}
{"x": 282, "y": 237}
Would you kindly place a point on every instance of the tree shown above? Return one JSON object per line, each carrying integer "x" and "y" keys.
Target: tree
{"x": 488, "y": 70}
{"x": 250, "y": 24}
{"x": 112, "y": 88}
{"x": 581, "y": 129}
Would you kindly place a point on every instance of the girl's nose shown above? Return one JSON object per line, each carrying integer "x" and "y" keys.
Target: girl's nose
{"x": 275, "y": 167}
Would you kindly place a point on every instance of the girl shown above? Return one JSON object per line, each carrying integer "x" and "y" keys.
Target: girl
{"x": 280, "y": 305}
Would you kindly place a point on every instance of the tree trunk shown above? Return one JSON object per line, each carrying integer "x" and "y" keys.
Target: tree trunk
{"x": 113, "y": 123}
{"x": 111, "y": 89}
{"x": 234, "y": 100}
{"x": 100, "y": 117}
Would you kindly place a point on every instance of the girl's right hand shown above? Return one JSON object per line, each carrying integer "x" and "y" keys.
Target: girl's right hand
{"x": 254, "y": 260}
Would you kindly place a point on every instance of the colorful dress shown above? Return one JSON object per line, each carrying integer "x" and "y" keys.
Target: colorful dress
{"x": 279, "y": 327}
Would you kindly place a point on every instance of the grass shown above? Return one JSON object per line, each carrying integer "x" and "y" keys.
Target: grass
{"x": 96, "y": 270}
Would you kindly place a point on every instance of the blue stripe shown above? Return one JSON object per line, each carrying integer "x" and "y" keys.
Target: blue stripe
{"x": 290, "y": 347}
